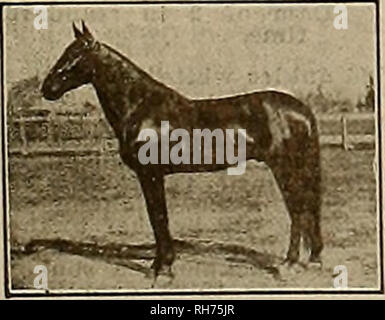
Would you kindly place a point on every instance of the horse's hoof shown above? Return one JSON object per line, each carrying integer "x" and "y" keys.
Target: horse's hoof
{"x": 166, "y": 271}
{"x": 288, "y": 267}
{"x": 149, "y": 274}
{"x": 315, "y": 263}
{"x": 163, "y": 277}
{"x": 289, "y": 262}
{"x": 274, "y": 271}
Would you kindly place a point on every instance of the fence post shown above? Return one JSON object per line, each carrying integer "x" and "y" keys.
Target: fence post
{"x": 51, "y": 129}
{"x": 23, "y": 136}
{"x": 101, "y": 146}
{"x": 344, "y": 134}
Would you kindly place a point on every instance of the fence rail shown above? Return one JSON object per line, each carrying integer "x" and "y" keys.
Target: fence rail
{"x": 59, "y": 135}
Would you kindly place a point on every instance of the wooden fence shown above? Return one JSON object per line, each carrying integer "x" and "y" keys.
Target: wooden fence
{"x": 81, "y": 135}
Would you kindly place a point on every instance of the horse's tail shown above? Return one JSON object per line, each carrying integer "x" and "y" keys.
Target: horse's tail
{"x": 294, "y": 158}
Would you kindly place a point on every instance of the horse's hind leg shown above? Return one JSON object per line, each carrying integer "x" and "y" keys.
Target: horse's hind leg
{"x": 286, "y": 180}
{"x": 310, "y": 222}
{"x": 298, "y": 180}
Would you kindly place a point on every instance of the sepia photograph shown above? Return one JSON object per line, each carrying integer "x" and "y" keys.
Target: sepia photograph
{"x": 191, "y": 148}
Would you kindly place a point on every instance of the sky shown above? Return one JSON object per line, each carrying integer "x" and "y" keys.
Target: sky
{"x": 210, "y": 50}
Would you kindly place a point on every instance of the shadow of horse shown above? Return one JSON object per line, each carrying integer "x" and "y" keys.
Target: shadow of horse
{"x": 126, "y": 254}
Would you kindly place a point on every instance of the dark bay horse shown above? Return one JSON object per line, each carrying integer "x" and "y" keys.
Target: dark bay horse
{"x": 281, "y": 130}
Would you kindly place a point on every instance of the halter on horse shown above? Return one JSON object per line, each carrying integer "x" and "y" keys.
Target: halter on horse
{"x": 282, "y": 133}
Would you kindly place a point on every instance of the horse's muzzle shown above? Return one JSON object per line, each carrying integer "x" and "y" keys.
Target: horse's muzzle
{"x": 50, "y": 92}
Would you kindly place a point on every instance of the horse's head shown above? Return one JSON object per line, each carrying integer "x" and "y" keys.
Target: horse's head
{"x": 74, "y": 68}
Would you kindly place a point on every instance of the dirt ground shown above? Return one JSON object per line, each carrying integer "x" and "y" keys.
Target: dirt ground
{"x": 229, "y": 228}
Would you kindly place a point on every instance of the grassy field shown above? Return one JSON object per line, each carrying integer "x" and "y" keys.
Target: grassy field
{"x": 89, "y": 205}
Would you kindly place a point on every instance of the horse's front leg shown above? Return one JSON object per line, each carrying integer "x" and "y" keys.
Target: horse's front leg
{"x": 154, "y": 194}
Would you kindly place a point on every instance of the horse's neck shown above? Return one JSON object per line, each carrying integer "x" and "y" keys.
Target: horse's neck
{"x": 113, "y": 80}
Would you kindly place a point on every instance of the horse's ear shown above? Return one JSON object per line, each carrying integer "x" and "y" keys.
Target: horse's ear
{"x": 77, "y": 32}
{"x": 86, "y": 32}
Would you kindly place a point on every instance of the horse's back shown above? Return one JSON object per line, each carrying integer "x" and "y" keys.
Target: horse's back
{"x": 253, "y": 111}
{"x": 277, "y": 99}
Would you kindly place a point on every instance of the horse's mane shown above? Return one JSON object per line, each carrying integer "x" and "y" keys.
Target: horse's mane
{"x": 143, "y": 73}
